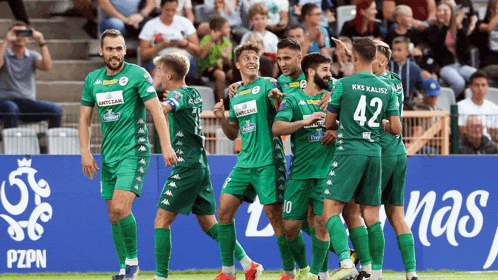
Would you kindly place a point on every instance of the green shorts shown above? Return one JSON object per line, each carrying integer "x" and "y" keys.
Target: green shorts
{"x": 268, "y": 182}
{"x": 299, "y": 194}
{"x": 127, "y": 174}
{"x": 393, "y": 180}
{"x": 188, "y": 190}
{"x": 355, "y": 176}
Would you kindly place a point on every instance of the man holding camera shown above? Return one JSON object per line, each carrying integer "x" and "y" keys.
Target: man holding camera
{"x": 17, "y": 79}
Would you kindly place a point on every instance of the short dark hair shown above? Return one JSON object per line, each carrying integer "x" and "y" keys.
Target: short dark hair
{"x": 18, "y": 23}
{"x": 295, "y": 26}
{"x": 110, "y": 33}
{"x": 247, "y": 46}
{"x": 165, "y": 1}
{"x": 290, "y": 43}
{"x": 365, "y": 48}
{"x": 217, "y": 22}
{"x": 312, "y": 60}
{"x": 177, "y": 63}
{"x": 401, "y": 40}
{"x": 306, "y": 10}
{"x": 478, "y": 74}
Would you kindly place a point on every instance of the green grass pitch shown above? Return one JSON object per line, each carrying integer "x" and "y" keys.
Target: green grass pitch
{"x": 210, "y": 274}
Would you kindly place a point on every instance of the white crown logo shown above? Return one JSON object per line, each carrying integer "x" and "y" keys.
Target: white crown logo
{"x": 24, "y": 163}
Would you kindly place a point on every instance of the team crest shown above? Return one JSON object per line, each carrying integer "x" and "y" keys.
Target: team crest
{"x": 282, "y": 105}
{"x": 255, "y": 89}
{"x": 148, "y": 78}
{"x": 123, "y": 81}
{"x": 274, "y": 82}
{"x": 303, "y": 84}
{"x": 177, "y": 95}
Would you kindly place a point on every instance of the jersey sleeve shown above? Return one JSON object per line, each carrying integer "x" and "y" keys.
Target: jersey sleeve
{"x": 392, "y": 105}
{"x": 176, "y": 100}
{"x": 205, "y": 40}
{"x": 145, "y": 85}
{"x": 147, "y": 32}
{"x": 87, "y": 97}
{"x": 335, "y": 98}
{"x": 285, "y": 111}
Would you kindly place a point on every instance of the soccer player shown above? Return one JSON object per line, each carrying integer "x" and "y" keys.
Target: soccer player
{"x": 300, "y": 117}
{"x": 122, "y": 92}
{"x": 260, "y": 168}
{"x": 360, "y": 101}
{"x": 188, "y": 188}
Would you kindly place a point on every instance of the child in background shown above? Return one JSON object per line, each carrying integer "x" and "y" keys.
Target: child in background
{"x": 215, "y": 58}
{"x": 258, "y": 18}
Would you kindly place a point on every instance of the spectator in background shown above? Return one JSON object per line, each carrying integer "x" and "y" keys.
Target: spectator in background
{"x": 342, "y": 66}
{"x": 216, "y": 54}
{"x": 485, "y": 38}
{"x": 278, "y": 14}
{"x": 327, "y": 8}
{"x": 18, "y": 80}
{"x": 124, "y": 15}
{"x": 409, "y": 72}
{"x": 318, "y": 35}
{"x": 422, "y": 55}
{"x": 424, "y": 11}
{"x": 258, "y": 17}
{"x": 169, "y": 33}
{"x": 297, "y": 33}
{"x": 364, "y": 24}
{"x": 229, "y": 9}
{"x": 450, "y": 45}
{"x": 473, "y": 140}
{"x": 477, "y": 105}
{"x": 403, "y": 17}
{"x": 184, "y": 9}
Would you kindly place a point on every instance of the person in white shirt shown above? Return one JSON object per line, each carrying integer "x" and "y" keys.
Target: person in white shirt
{"x": 278, "y": 13}
{"x": 258, "y": 17}
{"x": 478, "y": 106}
{"x": 169, "y": 33}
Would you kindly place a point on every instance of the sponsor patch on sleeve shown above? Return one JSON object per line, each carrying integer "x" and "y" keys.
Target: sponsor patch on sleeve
{"x": 148, "y": 78}
{"x": 177, "y": 95}
{"x": 282, "y": 105}
{"x": 274, "y": 82}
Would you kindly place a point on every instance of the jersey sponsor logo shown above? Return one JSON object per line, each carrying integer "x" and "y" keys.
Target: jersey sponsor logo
{"x": 110, "y": 82}
{"x": 176, "y": 176}
{"x": 302, "y": 84}
{"x": 142, "y": 149}
{"x": 98, "y": 82}
{"x": 179, "y": 152}
{"x": 179, "y": 134}
{"x": 335, "y": 164}
{"x": 111, "y": 116}
{"x": 248, "y": 127}
{"x": 316, "y": 137}
{"x": 332, "y": 173}
{"x": 314, "y": 102}
{"x": 165, "y": 202}
{"x": 180, "y": 159}
{"x": 274, "y": 82}
{"x": 329, "y": 182}
{"x": 326, "y": 191}
{"x": 151, "y": 89}
{"x": 110, "y": 98}
{"x": 172, "y": 184}
{"x": 123, "y": 81}
{"x": 245, "y": 109}
{"x": 294, "y": 84}
{"x": 282, "y": 105}
{"x": 168, "y": 193}
{"x": 317, "y": 124}
{"x": 194, "y": 101}
{"x": 148, "y": 78}
{"x": 302, "y": 102}
{"x": 246, "y": 91}
{"x": 255, "y": 89}
{"x": 177, "y": 95}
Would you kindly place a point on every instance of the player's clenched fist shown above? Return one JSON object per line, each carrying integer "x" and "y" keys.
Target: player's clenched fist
{"x": 219, "y": 109}
{"x": 314, "y": 118}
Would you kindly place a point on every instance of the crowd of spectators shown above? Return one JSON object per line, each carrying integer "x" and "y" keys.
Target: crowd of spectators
{"x": 430, "y": 40}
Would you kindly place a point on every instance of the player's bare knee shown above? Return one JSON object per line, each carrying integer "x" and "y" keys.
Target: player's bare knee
{"x": 370, "y": 214}
{"x": 224, "y": 215}
{"x": 120, "y": 211}
{"x": 273, "y": 212}
{"x": 113, "y": 219}
{"x": 292, "y": 228}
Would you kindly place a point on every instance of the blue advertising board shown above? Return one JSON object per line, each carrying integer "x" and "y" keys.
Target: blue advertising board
{"x": 53, "y": 220}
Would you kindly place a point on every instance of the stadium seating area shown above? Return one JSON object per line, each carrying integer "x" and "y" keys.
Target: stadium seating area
{"x": 75, "y": 54}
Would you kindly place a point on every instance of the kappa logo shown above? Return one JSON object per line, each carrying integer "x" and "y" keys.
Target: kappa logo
{"x": 165, "y": 202}
{"x": 42, "y": 211}
{"x": 142, "y": 161}
{"x": 141, "y": 139}
{"x": 281, "y": 196}
{"x": 176, "y": 176}
{"x": 329, "y": 182}
{"x": 179, "y": 134}
{"x": 168, "y": 193}
{"x": 139, "y": 179}
{"x": 141, "y": 130}
{"x": 140, "y": 121}
{"x": 136, "y": 187}
{"x": 179, "y": 152}
{"x": 339, "y": 135}
{"x": 302, "y": 102}
{"x": 172, "y": 184}
{"x": 281, "y": 187}
{"x": 142, "y": 149}
{"x": 335, "y": 164}
{"x": 281, "y": 178}
{"x": 326, "y": 191}
{"x": 281, "y": 169}
{"x": 98, "y": 82}
{"x": 279, "y": 156}
{"x": 180, "y": 159}
{"x": 179, "y": 143}
{"x": 332, "y": 173}
{"x": 278, "y": 146}
{"x": 340, "y": 148}
{"x": 341, "y": 127}
{"x": 141, "y": 169}
{"x": 340, "y": 141}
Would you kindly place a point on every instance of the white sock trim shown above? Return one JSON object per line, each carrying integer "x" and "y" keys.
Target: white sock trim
{"x": 228, "y": 270}
{"x": 323, "y": 275}
{"x": 347, "y": 263}
{"x": 131, "y": 261}
{"x": 246, "y": 263}
{"x": 122, "y": 271}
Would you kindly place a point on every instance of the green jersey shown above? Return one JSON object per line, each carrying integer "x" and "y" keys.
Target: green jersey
{"x": 307, "y": 151}
{"x": 254, "y": 111}
{"x": 186, "y": 128}
{"x": 392, "y": 145}
{"x": 288, "y": 86}
{"x": 120, "y": 100}
{"x": 361, "y": 100}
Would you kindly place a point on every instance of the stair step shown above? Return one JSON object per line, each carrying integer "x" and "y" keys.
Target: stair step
{"x": 69, "y": 70}
{"x": 53, "y": 28}
{"x": 59, "y": 91}
{"x": 34, "y": 8}
{"x": 63, "y": 49}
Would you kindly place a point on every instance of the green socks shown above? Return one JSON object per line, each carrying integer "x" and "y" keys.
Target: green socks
{"x": 129, "y": 228}
{"x": 325, "y": 266}
{"x": 376, "y": 243}
{"x": 239, "y": 251}
{"x": 359, "y": 238}
{"x": 298, "y": 250}
{"x": 226, "y": 241}
{"x": 338, "y": 237}
{"x": 119, "y": 245}
{"x": 319, "y": 253}
{"x": 285, "y": 254}
{"x": 407, "y": 247}
{"x": 162, "y": 248}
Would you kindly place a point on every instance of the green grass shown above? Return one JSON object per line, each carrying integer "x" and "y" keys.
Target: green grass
{"x": 210, "y": 274}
